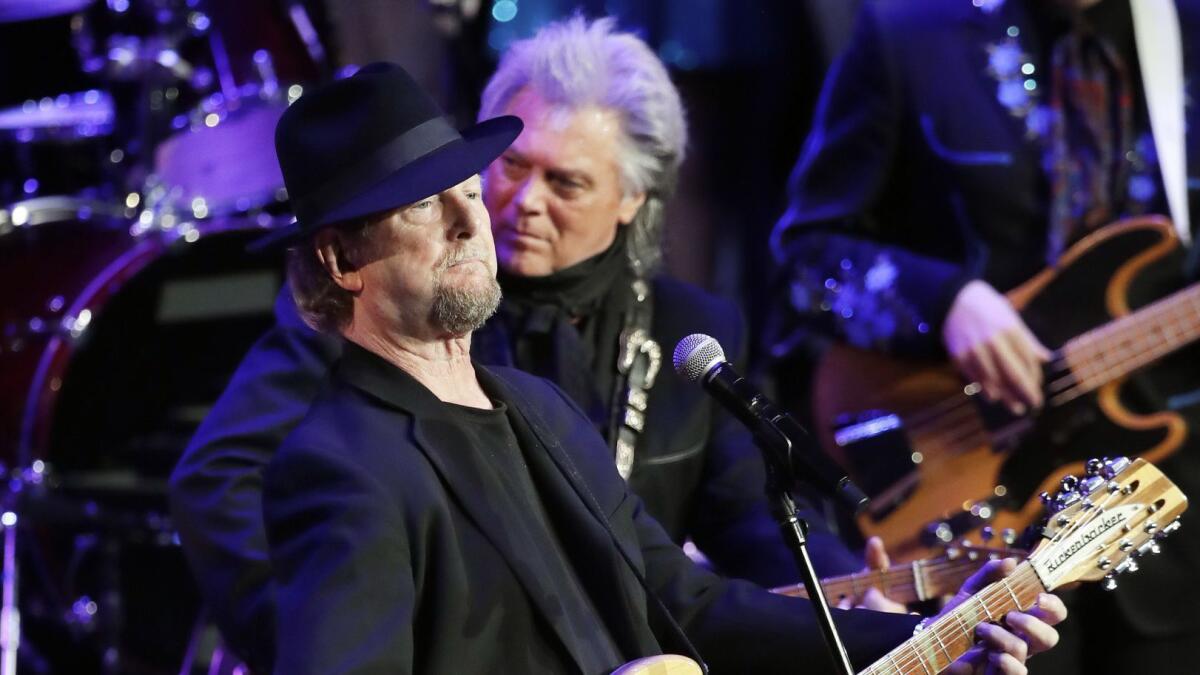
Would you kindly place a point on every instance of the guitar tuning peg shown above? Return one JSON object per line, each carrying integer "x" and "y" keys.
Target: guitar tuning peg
{"x": 1168, "y": 529}
{"x": 1091, "y": 484}
{"x": 1046, "y": 498}
{"x": 1150, "y": 547}
{"x": 1093, "y": 466}
{"x": 1110, "y": 583}
{"x": 1069, "y": 483}
{"x": 1065, "y": 499}
{"x": 1127, "y": 565}
{"x": 1114, "y": 466}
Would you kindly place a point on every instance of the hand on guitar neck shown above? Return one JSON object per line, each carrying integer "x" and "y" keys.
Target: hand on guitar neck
{"x": 1024, "y": 633}
{"x": 874, "y": 597}
{"x": 991, "y": 345}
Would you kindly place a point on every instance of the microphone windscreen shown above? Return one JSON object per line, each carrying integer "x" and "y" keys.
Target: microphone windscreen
{"x": 695, "y": 355}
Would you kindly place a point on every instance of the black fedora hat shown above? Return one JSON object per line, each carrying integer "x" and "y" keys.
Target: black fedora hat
{"x": 372, "y": 142}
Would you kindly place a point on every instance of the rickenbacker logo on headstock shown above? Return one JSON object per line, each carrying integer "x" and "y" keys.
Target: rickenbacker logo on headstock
{"x": 1077, "y": 541}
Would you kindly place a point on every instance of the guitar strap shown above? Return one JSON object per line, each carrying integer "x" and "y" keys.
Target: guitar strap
{"x": 639, "y": 358}
{"x": 1160, "y": 53}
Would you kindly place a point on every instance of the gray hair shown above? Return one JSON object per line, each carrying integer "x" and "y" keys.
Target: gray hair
{"x": 575, "y": 63}
{"x": 322, "y": 304}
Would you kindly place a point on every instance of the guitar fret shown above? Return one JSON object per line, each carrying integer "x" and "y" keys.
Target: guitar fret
{"x": 986, "y": 610}
{"x": 918, "y": 580}
{"x": 921, "y": 659}
{"x": 1128, "y": 343}
{"x": 945, "y": 651}
{"x": 962, "y": 626}
{"x": 1016, "y": 601}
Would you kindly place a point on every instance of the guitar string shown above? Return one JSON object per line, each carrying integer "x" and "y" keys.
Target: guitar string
{"x": 958, "y": 438}
{"x": 936, "y": 569}
{"x": 1100, "y": 509}
{"x": 1094, "y": 370}
{"x": 987, "y": 595}
{"x": 911, "y": 653}
{"x": 1090, "y": 350}
{"x": 996, "y": 590}
{"x": 1083, "y": 355}
{"x": 936, "y": 572}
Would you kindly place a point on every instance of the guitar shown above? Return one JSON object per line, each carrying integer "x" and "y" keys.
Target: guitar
{"x": 940, "y": 463}
{"x": 1107, "y": 520}
{"x": 912, "y": 582}
{"x": 665, "y": 664}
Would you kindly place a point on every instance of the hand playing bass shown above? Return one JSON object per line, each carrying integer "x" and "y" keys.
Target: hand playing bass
{"x": 991, "y": 345}
{"x": 1004, "y": 648}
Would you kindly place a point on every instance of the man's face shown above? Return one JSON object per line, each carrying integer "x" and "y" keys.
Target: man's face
{"x": 555, "y": 194}
{"x": 434, "y": 265}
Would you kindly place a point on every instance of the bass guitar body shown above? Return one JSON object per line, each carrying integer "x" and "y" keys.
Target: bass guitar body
{"x": 941, "y": 464}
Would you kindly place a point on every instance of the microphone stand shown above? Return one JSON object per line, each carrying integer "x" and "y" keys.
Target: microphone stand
{"x": 794, "y": 530}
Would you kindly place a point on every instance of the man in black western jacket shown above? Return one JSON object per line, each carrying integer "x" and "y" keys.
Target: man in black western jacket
{"x": 958, "y": 148}
{"x": 431, "y": 515}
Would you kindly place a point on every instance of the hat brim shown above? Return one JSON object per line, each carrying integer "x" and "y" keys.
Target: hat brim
{"x": 439, "y": 170}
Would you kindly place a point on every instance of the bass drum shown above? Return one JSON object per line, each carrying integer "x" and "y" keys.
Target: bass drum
{"x": 116, "y": 342}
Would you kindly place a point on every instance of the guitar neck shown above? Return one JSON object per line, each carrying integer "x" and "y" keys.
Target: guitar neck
{"x": 943, "y": 641}
{"x": 1122, "y": 346}
{"x": 913, "y": 582}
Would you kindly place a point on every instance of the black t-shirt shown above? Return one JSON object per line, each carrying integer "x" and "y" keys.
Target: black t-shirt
{"x": 519, "y": 513}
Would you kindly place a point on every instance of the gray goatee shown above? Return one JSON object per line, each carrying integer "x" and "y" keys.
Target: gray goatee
{"x": 459, "y": 311}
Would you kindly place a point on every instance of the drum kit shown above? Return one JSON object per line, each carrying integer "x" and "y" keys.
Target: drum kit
{"x": 134, "y": 168}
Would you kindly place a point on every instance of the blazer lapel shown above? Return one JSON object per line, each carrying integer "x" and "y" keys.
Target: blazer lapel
{"x": 598, "y": 555}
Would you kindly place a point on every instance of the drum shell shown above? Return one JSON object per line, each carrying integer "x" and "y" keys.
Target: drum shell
{"x": 115, "y": 345}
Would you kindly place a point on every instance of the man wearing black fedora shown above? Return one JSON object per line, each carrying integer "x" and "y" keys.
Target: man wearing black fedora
{"x": 579, "y": 233}
{"x": 361, "y": 539}
{"x": 432, "y": 515}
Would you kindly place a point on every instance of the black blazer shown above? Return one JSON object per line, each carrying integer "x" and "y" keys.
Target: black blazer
{"x": 388, "y": 560}
{"x": 695, "y": 468}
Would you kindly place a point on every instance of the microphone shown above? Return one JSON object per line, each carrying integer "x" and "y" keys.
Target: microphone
{"x": 786, "y": 444}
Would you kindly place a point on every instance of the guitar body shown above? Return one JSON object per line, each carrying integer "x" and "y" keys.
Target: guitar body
{"x": 665, "y": 664}
{"x": 968, "y": 455}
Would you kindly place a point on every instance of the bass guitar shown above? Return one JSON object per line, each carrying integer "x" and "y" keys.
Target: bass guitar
{"x": 940, "y": 463}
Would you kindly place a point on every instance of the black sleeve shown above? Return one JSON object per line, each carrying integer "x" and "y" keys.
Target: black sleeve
{"x": 740, "y": 628}
{"x": 216, "y": 488}
{"x": 345, "y": 582}
{"x": 843, "y": 277}
{"x": 737, "y": 626}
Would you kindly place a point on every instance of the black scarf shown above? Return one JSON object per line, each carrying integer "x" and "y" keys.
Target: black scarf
{"x": 566, "y": 326}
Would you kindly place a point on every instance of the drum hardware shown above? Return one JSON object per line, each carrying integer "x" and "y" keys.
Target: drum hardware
{"x": 34, "y": 497}
{"x": 106, "y": 363}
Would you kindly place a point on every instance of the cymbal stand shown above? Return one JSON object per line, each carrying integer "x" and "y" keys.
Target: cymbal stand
{"x": 10, "y": 615}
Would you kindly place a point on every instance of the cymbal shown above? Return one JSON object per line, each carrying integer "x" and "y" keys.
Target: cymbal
{"x": 24, "y": 10}
{"x": 64, "y": 117}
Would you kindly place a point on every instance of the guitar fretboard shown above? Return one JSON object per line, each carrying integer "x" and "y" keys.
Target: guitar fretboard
{"x": 922, "y": 580}
{"x": 948, "y": 638}
{"x": 1123, "y": 345}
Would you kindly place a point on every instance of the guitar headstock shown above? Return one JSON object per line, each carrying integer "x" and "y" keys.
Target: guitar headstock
{"x": 1102, "y": 522}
